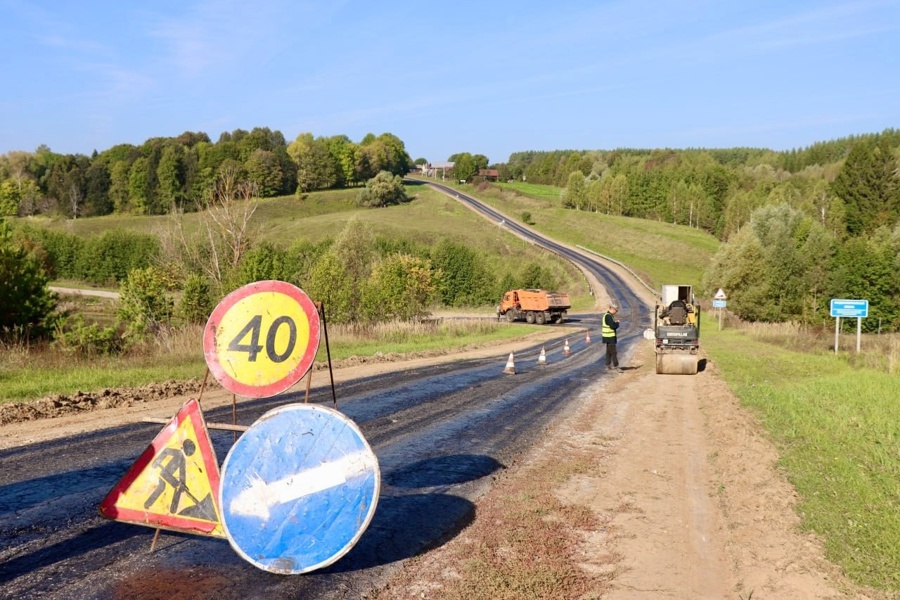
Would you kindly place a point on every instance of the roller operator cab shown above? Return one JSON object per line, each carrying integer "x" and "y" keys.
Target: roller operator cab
{"x": 677, "y": 331}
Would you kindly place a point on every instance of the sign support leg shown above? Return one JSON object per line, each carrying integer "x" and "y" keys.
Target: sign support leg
{"x": 321, "y": 308}
{"x": 837, "y": 329}
{"x": 203, "y": 386}
{"x": 155, "y": 538}
{"x": 234, "y": 413}
{"x": 308, "y": 383}
{"x": 858, "y": 332}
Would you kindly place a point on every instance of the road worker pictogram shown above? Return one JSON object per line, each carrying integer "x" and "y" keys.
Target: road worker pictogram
{"x": 174, "y": 484}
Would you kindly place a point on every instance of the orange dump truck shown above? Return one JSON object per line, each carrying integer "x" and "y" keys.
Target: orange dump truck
{"x": 534, "y": 306}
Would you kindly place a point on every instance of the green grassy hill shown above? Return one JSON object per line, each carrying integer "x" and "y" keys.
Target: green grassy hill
{"x": 658, "y": 252}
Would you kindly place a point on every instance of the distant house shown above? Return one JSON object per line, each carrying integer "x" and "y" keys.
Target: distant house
{"x": 489, "y": 174}
{"x": 431, "y": 170}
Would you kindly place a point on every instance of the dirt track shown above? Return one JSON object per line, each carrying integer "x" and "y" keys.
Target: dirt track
{"x": 690, "y": 501}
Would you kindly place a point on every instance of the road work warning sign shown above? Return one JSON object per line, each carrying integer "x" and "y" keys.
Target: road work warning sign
{"x": 174, "y": 484}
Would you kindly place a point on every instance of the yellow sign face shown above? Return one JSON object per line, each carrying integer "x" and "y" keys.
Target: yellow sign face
{"x": 175, "y": 482}
{"x": 262, "y": 338}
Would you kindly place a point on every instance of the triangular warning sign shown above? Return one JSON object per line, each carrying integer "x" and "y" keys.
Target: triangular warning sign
{"x": 720, "y": 295}
{"x": 174, "y": 484}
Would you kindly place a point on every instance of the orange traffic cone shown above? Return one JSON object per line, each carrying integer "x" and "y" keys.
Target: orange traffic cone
{"x": 510, "y": 366}
{"x": 587, "y": 338}
{"x": 566, "y": 350}
{"x": 542, "y": 359}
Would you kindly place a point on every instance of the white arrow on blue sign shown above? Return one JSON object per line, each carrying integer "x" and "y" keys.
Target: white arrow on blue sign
{"x": 849, "y": 308}
{"x": 298, "y": 489}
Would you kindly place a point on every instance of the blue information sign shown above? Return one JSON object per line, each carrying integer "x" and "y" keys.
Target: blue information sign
{"x": 298, "y": 489}
{"x": 719, "y": 303}
{"x": 850, "y": 308}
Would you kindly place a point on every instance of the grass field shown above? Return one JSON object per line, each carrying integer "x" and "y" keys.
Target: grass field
{"x": 834, "y": 422}
{"x": 658, "y": 252}
{"x": 534, "y": 190}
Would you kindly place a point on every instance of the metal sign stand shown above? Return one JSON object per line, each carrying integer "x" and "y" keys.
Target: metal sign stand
{"x": 849, "y": 308}
{"x": 321, "y": 308}
{"x": 719, "y": 303}
{"x": 837, "y": 333}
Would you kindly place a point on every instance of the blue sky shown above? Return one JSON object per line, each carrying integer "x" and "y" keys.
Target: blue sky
{"x": 482, "y": 77}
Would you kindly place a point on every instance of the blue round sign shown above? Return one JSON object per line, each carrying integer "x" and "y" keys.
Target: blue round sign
{"x": 298, "y": 489}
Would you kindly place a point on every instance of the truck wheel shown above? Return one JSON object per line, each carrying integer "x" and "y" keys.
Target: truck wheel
{"x": 529, "y": 317}
{"x": 539, "y": 318}
{"x": 510, "y": 315}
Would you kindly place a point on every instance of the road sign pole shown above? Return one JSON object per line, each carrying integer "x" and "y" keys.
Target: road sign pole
{"x": 858, "y": 332}
{"x": 837, "y": 328}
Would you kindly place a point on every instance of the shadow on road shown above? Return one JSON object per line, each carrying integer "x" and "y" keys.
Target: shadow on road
{"x": 405, "y": 526}
{"x": 444, "y": 470}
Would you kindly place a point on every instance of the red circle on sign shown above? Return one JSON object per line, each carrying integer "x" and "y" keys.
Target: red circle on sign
{"x": 247, "y": 354}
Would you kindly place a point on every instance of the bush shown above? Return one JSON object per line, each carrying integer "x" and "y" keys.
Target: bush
{"x": 143, "y": 303}
{"x": 26, "y": 304}
{"x": 536, "y": 276}
{"x": 62, "y": 250}
{"x": 401, "y": 287}
{"x": 384, "y": 189}
{"x": 110, "y": 256}
{"x": 73, "y": 335}
{"x": 262, "y": 263}
{"x": 465, "y": 280}
{"x": 196, "y": 300}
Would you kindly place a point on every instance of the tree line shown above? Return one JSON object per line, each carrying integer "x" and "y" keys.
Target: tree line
{"x": 176, "y": 174}
{"x": 799, "y": 227}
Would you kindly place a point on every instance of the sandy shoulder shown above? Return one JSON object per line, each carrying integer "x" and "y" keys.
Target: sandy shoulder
{"x": 688, "y": 500}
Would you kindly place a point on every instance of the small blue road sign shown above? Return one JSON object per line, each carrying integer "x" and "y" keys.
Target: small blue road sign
{"x": 298, "y": 489}
{"x": 720, "y": 303}
{"x": 850, "y": 308}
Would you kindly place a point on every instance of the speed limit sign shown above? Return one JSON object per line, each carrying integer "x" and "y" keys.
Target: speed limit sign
{"x": 262, "y": 338}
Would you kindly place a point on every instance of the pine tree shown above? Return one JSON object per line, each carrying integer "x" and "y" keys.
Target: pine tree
{"x": 868, "y": 184}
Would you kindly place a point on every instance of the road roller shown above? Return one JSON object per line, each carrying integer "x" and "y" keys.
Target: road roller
{"x": 677, "y": 331}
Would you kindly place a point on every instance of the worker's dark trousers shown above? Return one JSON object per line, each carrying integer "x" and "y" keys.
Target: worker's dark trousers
{"x": 612, "y": 356}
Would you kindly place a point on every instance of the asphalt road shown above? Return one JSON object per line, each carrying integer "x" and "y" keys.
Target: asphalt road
{"x": 440, "y": 434}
